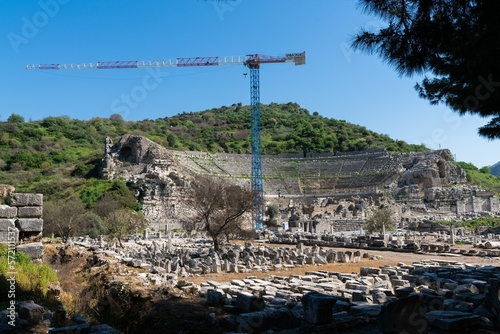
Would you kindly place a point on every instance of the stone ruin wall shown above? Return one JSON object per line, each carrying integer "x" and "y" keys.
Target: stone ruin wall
{"x": 308, "y": 191}
{"x": 154, "y": 171}
{"x": 21, "y": 224}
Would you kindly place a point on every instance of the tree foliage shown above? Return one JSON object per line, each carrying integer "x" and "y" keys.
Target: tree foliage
{"x": 120, "y": 223}
{"x": 381, "y": 221}
{"x": 220, "y": 208}
{"x": 273, "y": 212}
{"x": 15, "y": 118}
{"x": 458, "y": 42}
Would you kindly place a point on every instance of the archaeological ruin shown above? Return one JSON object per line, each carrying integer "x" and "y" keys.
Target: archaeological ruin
{"x": 324, "y": 201}
{"x": 322, "y": 193}
{"x": 21, "y": 223}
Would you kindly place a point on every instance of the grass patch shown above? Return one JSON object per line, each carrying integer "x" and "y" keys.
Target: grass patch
{"x": 474, "y": 223}
{"x": 32, "y": 280}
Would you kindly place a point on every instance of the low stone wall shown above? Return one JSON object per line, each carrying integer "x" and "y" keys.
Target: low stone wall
{"x": 21, "y": 223}
{"x": 339, "y": 225}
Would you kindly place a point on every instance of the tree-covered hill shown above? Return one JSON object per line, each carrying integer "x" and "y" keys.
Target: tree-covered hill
{"x": 285, "y": 128}
{"x": 57, "y": 155}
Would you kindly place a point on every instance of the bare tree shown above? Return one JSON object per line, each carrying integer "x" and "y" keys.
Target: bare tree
{"x": 106, "y": 205}
{"x": 65, "y": 218}
{"x": 220, "y": 207}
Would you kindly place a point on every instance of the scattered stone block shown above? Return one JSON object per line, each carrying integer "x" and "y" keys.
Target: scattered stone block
{"x": 247, "y": 303}
{"x": 258, "y": 322}
{"x": 79, "y": 319}
{"x": 34, "y": 250}
{"x": 103, "y": 329}
{"x": 215, "y": 298}
{"x": 366, "y": 271}
{"x": 452, "y": 320}
{"x": 29, "y": 212}
{"x": 404, "y": 315}
{"x": 31, "y": 312}
{"x": 80, "y": 329}
{"x": 366, "y": 310}
{"x": 8, "y": 231}
{"x": 318, "y": 308}
{"x": 458, "y": 305}
{"x": 238, "y": 282}
{"x": 8, "y": 211}
{"x": 29, "y": 224}
{"x": 493, "y": 295}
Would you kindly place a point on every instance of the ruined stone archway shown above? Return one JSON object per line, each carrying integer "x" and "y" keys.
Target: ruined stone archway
{"x": 126, "y": 153}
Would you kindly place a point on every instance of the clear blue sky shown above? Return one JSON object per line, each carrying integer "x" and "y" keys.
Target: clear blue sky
{"x": 336, "y": 82}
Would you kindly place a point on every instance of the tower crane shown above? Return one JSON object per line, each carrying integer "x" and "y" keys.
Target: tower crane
{"x": 251, "y": 61}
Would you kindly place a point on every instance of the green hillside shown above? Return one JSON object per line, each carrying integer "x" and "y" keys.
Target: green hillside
{"x": 482, "y": 177}
{"x": 56, "y": 155}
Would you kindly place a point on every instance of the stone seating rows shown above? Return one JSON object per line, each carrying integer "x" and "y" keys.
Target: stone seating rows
{"x": 347, "y": 172}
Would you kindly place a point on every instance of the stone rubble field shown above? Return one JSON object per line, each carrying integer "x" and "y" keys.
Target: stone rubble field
{"x": 430, "y": 295}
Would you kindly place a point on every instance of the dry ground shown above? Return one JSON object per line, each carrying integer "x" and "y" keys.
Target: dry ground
{"x": 153, "y": 311}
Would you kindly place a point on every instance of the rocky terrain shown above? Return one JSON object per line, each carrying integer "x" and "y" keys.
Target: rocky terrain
{"x": 318, "y": 273}
{"x": 162, "y": 284}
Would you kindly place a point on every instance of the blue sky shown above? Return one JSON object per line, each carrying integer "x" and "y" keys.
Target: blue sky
{"x": 336, "y": 81}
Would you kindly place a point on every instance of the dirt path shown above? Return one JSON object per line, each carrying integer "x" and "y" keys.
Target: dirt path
{"x": 385, "y": 258}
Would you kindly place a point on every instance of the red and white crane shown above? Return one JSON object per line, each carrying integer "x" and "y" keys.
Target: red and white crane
{"x": 252, "y": 61}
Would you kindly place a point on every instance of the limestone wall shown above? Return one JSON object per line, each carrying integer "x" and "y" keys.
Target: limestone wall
{"x": 21, "y": 223}
{"x": 478, "y": 204}
{"x": 339, "y": 225}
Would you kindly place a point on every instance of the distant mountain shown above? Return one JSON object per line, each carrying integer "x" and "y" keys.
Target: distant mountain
{"x": 495, "y": 169}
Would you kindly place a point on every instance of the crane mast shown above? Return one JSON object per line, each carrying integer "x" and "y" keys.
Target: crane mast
{"x": 252, "y": 61}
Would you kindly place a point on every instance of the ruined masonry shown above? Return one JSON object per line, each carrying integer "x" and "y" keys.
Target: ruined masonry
{"x": 21, "y": 223}
{"x": 320, "y": 193}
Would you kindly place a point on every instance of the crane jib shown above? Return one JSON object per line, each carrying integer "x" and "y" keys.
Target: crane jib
{"x": 117, "y": 64}
{"x": 198, "y": 61}
{"x": 249, "y": 60}
{"x": 49, "y": 66}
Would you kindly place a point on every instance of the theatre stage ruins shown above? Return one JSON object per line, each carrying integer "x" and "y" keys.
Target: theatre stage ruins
{"x": 321, "y": 193}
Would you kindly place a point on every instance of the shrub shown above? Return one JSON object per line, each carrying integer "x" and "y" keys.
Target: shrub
{"x": 380, "y": 222}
